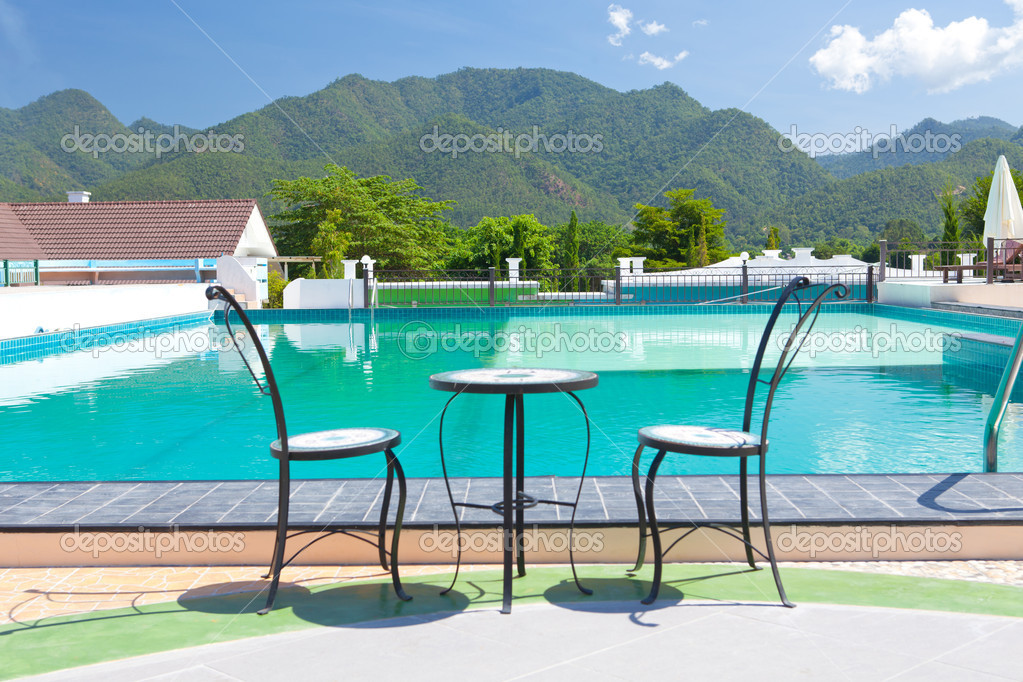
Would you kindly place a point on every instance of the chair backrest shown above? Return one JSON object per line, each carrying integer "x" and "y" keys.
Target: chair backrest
{"x": 1009, "y": 251}
{"x": 793, "y": 343}
{"x": 217, "y": 292}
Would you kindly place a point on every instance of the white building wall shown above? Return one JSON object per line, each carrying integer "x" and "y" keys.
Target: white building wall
{"x": 255, "y": 239}
{"x": 24, "y": 310}
{"x": 324, "y": 293}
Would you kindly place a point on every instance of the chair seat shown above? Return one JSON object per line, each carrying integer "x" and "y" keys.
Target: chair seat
{"x": 337, "y": 443}
{"x": 701, "y": 440}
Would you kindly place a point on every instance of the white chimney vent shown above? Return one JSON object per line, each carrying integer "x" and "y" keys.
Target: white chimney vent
{"x": 802, "y": 255}
{"x": 78, "y": 197}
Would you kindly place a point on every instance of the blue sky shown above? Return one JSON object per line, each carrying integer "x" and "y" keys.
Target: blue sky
{"x": 824, "y": 66}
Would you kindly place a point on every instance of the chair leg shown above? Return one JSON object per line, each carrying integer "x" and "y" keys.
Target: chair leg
{"x": 640, "y": 511}
{"x": 520, "y": 483}
{"x": 744, "y": 504}
{"x": 451, "y": 496}
{"x": 283, "y": 501}
{"x": 394, "y": 465}
{"x": 384, "y": 505}
{"x": 508, "y": 521}
{"x": 767, "y": 534}
{"x": 578, "y": 494}
{"x": 652, "y": 520}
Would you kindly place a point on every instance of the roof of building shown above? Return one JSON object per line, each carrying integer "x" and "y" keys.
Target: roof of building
{"x": 16, "y": 243}
{"x": 129, "y": 230}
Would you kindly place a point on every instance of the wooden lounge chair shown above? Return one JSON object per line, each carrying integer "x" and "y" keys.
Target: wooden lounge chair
{"x": 1005, "y": 260}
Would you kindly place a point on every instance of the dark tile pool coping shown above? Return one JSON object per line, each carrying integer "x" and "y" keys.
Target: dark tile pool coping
{"x": 794, "y": 499}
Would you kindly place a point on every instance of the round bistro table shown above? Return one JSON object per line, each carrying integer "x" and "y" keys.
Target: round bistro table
{"x": 514, "y": 384}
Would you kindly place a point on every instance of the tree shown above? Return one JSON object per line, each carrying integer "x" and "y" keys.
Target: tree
{"x": 492, "y": 240}
{"x": 599, "y": 244}
{"x": 384, "y": 218}
{"x": 571, "y": 243}
{"x": 950, "y": 235}
{"x": 902, "y": 230}
{"x": 331, "y": 243}
{"x": 488, "y": 242}
{"x": 871, "y": 254}
{"x": 570, "y": 261}
{"x": 974, "y": 207}
{"x": 836, "y": 246}
{"x": 672, "y": 236}
{"x": 773, "y": 239}
{"x": 903, "y": 236}
{"x": 698, "y": 250}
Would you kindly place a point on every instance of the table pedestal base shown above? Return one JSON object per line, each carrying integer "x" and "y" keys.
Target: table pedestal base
{"x": 515, "y": 501}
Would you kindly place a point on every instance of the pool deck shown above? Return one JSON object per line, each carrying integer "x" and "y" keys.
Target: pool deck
{"x": 956, "y": 499}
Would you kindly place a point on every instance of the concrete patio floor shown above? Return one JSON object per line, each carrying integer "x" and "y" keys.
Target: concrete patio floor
{"x": 611, "y": 641}
{"x": 714, "y": 621}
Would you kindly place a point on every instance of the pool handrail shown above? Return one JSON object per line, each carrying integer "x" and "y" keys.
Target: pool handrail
{"x": 1000, "y": 403}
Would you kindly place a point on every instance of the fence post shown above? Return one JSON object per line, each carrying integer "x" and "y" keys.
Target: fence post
{"x": 883, "y": 259}
{"x": 493, "y": 276}
{"x": 870, "y": 284}
{"x": 990, "y": 260}
{"x": 7, "y": 273}
{"x": 618, "y": 285}
{"x": 365, "y": 286}
{"x": 745, "y": 284}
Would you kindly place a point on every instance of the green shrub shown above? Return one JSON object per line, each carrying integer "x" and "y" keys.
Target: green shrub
{"x": 275, "y": 288}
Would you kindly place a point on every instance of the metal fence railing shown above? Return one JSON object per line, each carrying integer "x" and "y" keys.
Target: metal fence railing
{"x": 600, "y": 286}
{"x": 17, "y": 272}
{"x": 990, "y": 259}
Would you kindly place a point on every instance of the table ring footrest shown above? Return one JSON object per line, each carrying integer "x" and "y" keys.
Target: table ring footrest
{"x": 521, "y": 501}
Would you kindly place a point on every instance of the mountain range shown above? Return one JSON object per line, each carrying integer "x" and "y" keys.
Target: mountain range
{"x": 503, "y": 142}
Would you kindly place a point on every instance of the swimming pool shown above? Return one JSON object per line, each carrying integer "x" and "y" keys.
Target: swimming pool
{"x": 881, "y": 390}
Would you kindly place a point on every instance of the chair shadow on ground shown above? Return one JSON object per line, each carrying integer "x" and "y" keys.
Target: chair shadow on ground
{"x": 355, "y": 604}
{"x": 929, "y": 499}
{"x": 624, "y": 594}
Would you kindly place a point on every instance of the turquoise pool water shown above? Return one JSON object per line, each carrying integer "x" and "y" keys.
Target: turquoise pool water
{"x": 177, "y": 407}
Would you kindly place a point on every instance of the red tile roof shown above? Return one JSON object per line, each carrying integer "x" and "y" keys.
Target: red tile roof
{"x": 130, "y": 230}
{"x": 15, "y": 241}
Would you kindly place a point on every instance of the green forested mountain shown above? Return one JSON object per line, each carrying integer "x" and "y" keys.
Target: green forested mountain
{"x": 923, "y": 143}
{"x": 858, "y": 207}
{"x": 641, "y": 143}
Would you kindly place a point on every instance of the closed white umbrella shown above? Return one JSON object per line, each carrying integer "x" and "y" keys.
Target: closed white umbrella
{"x": 1004, "y": 216}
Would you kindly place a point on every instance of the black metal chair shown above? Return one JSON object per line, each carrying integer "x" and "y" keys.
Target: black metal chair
{"x": 718, "y": 442}
{"x": 318, "y": 446}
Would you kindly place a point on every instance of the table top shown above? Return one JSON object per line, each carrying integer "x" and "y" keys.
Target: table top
{"x": 513, "y": 381}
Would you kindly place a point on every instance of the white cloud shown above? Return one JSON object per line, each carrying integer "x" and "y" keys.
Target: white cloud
{"x": 701, "y": 22}
{"x": 942, "y": 58}
{"x": 619, "y": 17}
{"x": 660, "y": 62}
{"x": 652, "y": 28}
